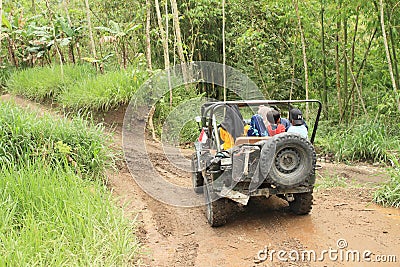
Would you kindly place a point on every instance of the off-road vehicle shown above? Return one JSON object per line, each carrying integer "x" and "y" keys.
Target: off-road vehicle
{"x": 282, "y": 165}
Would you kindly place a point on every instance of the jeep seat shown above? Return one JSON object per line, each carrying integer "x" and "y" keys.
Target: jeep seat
{"x": 249, "y": 139}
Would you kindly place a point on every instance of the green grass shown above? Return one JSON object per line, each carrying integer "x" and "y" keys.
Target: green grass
{"x": 324, "y": 182}
{"x": 103, "y": 91}
{"x": 80, "y": 88}
{"x": 25, "y": 136}
{"x": 389, "y": 193}
{"x": 51, "y": 217}
{"x": 42, "y": 83}
{"x": 365, "y": 140}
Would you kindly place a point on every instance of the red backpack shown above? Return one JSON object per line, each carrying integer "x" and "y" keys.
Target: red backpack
{"x": 278, "y": 130}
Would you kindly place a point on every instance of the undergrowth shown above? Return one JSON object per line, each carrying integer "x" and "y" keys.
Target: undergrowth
{"x": 103, "y": 91}
{"x": 364, "y": 140}
{"x": 49, "y": 215}
{"x": 25, "y": 136}
{"x": 43, "y": 83}
{"x": 389, "y": 193}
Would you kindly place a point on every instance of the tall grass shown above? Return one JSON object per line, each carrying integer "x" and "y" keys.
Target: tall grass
{"x": 389, "y": 193}
{"x": 25, "y": 136}
{"x": 41, "y": 83}
{"x": 365, "y": 140}
{"x": 103, "y": 91}
{"x": 51, "y": 217}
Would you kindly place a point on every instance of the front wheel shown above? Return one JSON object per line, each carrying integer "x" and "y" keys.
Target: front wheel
{"x": 302, "y": 203}
{"x": 217, "y": 209}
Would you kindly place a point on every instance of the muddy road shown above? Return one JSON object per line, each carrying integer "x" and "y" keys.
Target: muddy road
{"x": 175, "y": 236}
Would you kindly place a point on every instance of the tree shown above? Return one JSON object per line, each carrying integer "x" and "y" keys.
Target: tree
{"x": 89, "y": 24}
{"x": 54, "y": 38}
{"x": 164, "y": 38}
{"x": 1, "y": 25}
{"x": 148, "y": 39}
{"x": 303, "y": 46}
{"x": 389, "y": 61}
{"x": 325, "y": 87}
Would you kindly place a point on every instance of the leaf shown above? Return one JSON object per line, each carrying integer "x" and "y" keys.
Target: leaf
{"x": 105, "y": 29}
{"x": 115, "y": 26}
{"x": 65, "y": 41}
{"x": 134, "y": 28}
{"x": 6, "y": 22}
{"x": 66, "y": 28}
{"x": 90, "y": 59}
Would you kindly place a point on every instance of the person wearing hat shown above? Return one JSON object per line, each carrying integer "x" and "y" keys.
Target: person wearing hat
{"x": 296, "y": 119}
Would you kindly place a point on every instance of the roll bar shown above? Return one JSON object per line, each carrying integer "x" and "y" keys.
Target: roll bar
{"x": 208, "y": 110}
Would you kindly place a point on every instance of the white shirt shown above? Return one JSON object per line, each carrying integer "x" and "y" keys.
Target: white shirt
{"x": 301, "y": 129}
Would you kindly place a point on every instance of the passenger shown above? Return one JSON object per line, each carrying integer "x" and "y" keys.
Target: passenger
{"x": 263, "y": 111}
{"x": 275, "y": 126}
{"x": 297, "y": 121}
{"x": 257, "y": 127}
{"x": 285, "y": 123}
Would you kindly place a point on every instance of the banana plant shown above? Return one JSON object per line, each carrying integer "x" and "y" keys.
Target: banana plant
{"x": 119, "y": 35}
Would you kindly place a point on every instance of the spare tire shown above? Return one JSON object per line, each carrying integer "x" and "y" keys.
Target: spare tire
{"x": 293, "y": 162}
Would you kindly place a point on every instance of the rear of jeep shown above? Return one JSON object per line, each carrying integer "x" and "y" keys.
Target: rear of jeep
{"x": 282, "y": 165}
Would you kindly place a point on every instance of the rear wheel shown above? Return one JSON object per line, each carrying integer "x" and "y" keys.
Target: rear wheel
{"x": 293, "y": 163}
{"x": 197, "y": 177}
{"x": 302, "y": 203}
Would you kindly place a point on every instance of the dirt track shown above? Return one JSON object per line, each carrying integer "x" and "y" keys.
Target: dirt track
{"x": 174, "y": 236}
{"x": 181, "y": 236}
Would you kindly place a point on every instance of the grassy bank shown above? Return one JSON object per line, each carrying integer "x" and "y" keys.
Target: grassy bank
{"x": 47, "y": 82}
{"x": 50, "y": 213}
{"x": 26, "y": 136}
{"x": 77, "y": 87}
{"x": 51, "y": 217}
{"x": 364, "y": 140}
{"x": 389, "y": 194}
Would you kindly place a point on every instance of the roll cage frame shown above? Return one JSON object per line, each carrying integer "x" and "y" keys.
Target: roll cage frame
{"x": 208, "y": 111}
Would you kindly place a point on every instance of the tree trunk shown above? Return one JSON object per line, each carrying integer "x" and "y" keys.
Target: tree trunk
{"x": 124, "y": 55}
{"x": 345, "y": 59}
{"x": 394, "y": 54}
{"x": 325, "y": 87}
{"x": 346, "y": 102}
{"x": 71, "y": 45}
{"x": 358, "y": 91}
{"x": 92, "y": 45}
{"x": 50, "y": 13}
{"x": 165, "y": 45}
{"x": 175, "y": 15}
{"x": 11, "y": 52}
{"x": 33, "y": 7}
{"x": 337, "y": 64}
{"x": 148, "y": 43}
{"x": 223, "y": 50}
{"x": 303, "y": 45}
{"x": 1, "y": 28}
{"x": 388, "y": 56}
{"x": 352, "y": 59}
